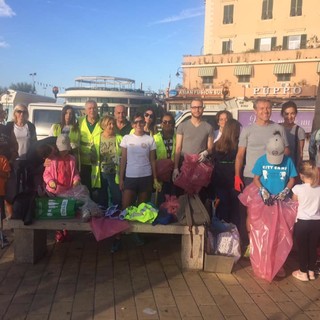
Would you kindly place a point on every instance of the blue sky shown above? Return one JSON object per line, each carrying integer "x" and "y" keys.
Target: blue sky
{"x": 63, "y": 39}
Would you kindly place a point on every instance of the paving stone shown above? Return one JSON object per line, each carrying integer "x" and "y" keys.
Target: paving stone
{"x": 251, "y": 311}
{"x": 187, "y": 306}
{"x": 265, "y": 303}
{"x": 211, "y": 312}
{"x": 61, "y": 310}
{"x": 227, "y": 305}
{"x": 169, "y": 313}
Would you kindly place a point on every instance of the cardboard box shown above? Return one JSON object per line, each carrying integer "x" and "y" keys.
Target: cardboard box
{"x": 217, "y": 263}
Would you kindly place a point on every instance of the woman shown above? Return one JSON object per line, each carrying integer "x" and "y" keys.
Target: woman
{"x": 150, "y": 122}
{"x": 25, "y": 133}
{"x": 68, "y": 126}
{"x": 295, "y": 134}
{"x": 221, "y": 117}
{"x": 166, "y": 145}
{"x": 138, "y": 165}
{"x": 109, "y": 163}
{"x": 224, "y": 155}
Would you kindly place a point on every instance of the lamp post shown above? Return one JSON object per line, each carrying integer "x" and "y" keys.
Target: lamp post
{"x": 33, "y": 82}
{"x": 179, "y": 73}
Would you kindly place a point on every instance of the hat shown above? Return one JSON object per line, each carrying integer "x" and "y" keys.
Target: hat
{"x": 63, "y": 143}
{"x": 275, "y": 149}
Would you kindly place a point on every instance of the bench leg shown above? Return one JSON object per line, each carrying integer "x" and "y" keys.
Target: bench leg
{"x": 196, "y": 262}
{"x": 29, "y": 245}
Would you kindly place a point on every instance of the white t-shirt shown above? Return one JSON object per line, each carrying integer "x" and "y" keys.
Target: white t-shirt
{"x": 309, "y": 201}
{"x": 23, "y": 138}
{"x": 138, "y": 155}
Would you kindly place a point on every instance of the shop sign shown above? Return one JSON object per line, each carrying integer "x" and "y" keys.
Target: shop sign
{"x": 273, "y": 91}
{"x": 200, "y": 92}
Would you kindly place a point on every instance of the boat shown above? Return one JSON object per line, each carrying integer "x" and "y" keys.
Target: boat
{"x": 108, "y": 92}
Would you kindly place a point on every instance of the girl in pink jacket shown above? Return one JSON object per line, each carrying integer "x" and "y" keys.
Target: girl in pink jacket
{"x": 61, "y": 175}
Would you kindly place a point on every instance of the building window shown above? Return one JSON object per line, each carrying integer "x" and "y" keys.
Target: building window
{"x": 244, "y": 78}
{"x": 294, "y": 42}
{"x": 265, "y": 44}
{"x": 228, "y": 14}
{"x": 296, "y": 8}
{"x": 284, "y": 77}
{"x": 227, "y": 46}
{"x": 267, "y": 6}
{"x": 207, "y": 80}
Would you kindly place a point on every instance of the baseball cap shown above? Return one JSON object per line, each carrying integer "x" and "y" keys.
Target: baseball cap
{"x": 275, "y": 149}
{"x": 63, "y": 143}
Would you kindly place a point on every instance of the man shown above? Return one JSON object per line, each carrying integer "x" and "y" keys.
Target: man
{"x": 253, "y": 140}
{"x": 90, "y": 131}
{"x": 252, "y": 144}
{"x": 193, "y": 136}
{"x": 123, "y": 126}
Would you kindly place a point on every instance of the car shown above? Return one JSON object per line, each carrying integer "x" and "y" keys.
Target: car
{"x": 43, "y": 115}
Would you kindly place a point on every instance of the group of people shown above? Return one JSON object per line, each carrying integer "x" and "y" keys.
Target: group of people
{"x": 119, "y": 161}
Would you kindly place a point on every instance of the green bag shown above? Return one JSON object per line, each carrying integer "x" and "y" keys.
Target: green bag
{"x": 55, "y": 208}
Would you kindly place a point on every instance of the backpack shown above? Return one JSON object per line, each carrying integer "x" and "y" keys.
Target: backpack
{"x": 192, "y": 212}
{"x": 24, "y": 205}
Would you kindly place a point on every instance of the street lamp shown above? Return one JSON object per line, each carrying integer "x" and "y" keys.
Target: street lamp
{"x": 179, "y": 72}
{"x": 33, "y": 82}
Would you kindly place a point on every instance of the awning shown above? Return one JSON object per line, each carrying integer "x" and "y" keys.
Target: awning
{"x": 318, "y": 67}
{"x": 206, "y": 71}
{"x": 243, "y": 71}
{"x": 283, "y": 68}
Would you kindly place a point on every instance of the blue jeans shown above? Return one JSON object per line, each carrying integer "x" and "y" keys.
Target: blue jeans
{"x": 109, "y": 193}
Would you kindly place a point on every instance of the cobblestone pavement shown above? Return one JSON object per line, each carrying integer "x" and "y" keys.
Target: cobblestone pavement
{"x": 82, "y": 280}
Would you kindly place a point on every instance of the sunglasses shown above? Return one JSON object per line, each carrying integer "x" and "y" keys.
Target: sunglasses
{"x": 167, "y": 122}
{"x": 148, "y": 115}
{"x": 139, "y": 122}
{"x": 21, "y": 111}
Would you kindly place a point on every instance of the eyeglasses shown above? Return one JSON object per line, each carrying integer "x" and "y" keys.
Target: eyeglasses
{"x": 21, "y": 111}
{"x": 194, "y": 108}
{"x": 167, "y": 122}
{"x": 139, "y": 122}
{"x": 148, "y": 115}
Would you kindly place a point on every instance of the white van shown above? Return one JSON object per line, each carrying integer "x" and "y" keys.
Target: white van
{"x": 43, "y": 115}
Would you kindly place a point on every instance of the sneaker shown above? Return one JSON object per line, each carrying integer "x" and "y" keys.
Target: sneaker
{"x": 311, "y": 275}
{"x": 281, "y": 273}
{"x": 302, "y": 276}
{"x": 116, "y": 245}
{"x": 247, "y": 252}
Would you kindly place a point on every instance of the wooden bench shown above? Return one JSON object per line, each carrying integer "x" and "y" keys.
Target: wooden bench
{"x": 30, "y": 242}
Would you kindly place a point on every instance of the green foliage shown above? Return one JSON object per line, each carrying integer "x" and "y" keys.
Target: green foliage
{"x": 22, "y": 86}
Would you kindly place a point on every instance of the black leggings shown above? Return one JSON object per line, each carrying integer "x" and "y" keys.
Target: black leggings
{"x": 307, "y": 233}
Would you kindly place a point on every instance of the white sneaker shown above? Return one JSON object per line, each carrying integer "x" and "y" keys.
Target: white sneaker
{"x": 311, "y": 275}
{"x": 302, "y": 276}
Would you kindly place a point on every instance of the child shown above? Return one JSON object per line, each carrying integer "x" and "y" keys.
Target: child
{"x": 4, "y": 174}
{"x": 274, "y": 172}
{"x": 274, "y": 175}
{"x": 61, "y": 174}
{"x": 307, "y": 228}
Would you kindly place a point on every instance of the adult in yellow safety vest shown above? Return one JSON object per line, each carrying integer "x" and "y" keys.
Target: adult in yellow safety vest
{"x": 110, "y": 151}
{"x": 90, "y": 131}
{"x": 68, "y": 126}
{"x": 166, "y": 144}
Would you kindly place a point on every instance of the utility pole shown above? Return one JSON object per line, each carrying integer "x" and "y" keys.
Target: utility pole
{"x": 33, "y": 82}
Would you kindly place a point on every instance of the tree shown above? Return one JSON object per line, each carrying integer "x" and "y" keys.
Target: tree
{"x": 3, "y": 90}
{"x": 22, "y": 86}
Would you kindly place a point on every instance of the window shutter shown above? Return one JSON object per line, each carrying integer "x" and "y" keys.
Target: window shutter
{"x": 299, "y": 8}
{"x": 273, "y": 42}
{"x": 257, "y": 44}
{"x": 231, "y": 14}
{"x": 264, "y": 10}
{"x": 285, "y": 43}
{"x": 270, "y": 9}
{"x": 293, "y": 8}
{"x": 303, "y": 41}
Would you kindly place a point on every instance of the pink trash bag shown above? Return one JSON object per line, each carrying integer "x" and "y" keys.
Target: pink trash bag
{"x": 171, "y": 204}
{"x": 164, "y": 168}
{"x": 271, "y": 229}
{"x": 194, "y": 175}
{"x": 103, "y": 228}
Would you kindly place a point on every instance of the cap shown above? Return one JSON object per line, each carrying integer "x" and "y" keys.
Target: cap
{"x": 63, "y": 143}
{"x": 275, "y": 149}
